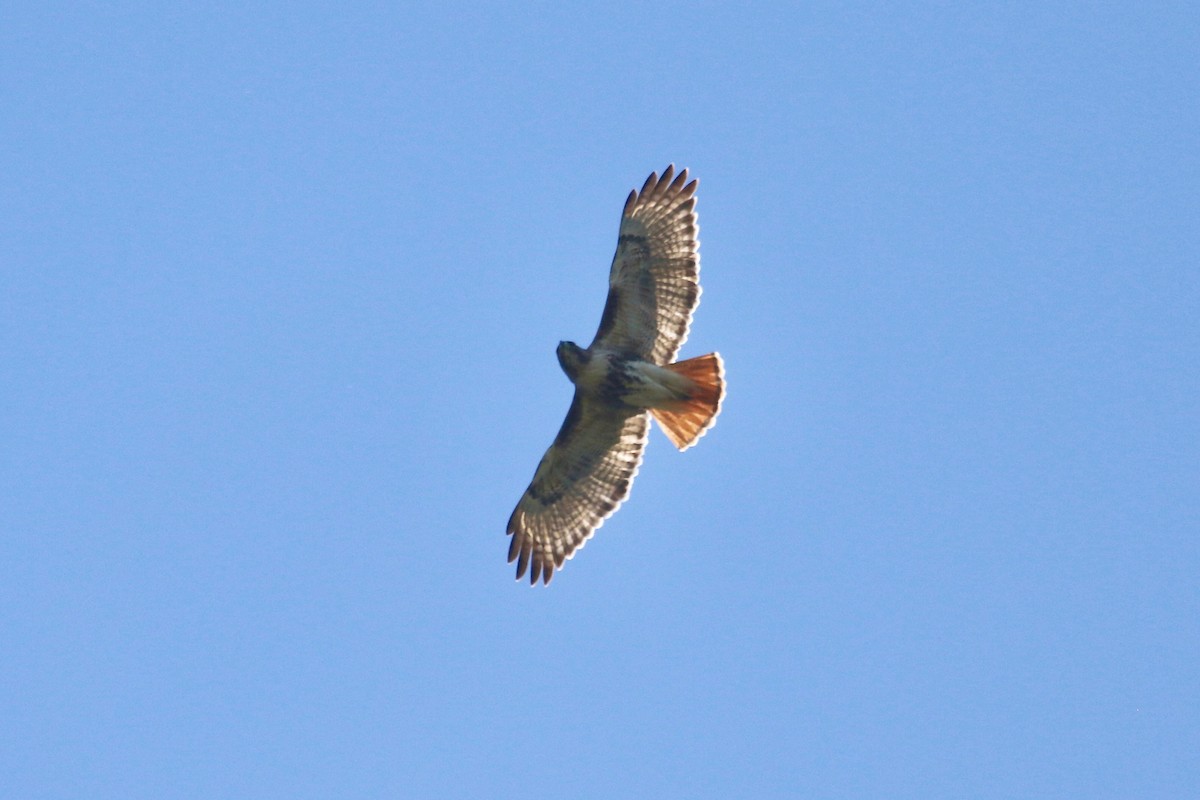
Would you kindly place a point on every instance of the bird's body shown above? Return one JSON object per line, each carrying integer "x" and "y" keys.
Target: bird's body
{"x": 622, "y": 381}
{"x": 624, "y": 376}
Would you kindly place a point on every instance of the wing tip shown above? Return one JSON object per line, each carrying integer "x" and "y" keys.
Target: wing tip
{"x": 630, "y": 202}
{"x": 538, "y": 565}
{"x": 670, "y": 183}
{"x": 530, "y": 558}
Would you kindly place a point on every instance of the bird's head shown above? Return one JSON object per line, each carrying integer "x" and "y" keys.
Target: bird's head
{"x": 571, "y": 358}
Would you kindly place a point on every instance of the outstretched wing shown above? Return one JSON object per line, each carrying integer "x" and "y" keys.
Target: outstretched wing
{"x": 581, "y": 481}
{"x": 654, "y": 283}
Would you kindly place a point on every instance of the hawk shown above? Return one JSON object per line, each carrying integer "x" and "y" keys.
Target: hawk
{"x": 624, "y": 377}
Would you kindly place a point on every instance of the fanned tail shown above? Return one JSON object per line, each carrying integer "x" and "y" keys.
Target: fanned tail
{"x": 684, "y": 422}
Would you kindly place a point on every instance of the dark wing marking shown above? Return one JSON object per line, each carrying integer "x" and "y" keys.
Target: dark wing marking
{"x": 580, "y": 482}
{"x": 654, "y": 283}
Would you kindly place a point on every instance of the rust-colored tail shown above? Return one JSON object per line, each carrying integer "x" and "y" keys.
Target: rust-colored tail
{"x": 686, "y": 421}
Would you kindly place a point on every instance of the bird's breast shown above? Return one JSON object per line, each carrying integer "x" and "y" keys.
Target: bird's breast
{"x": 624, "y": 382}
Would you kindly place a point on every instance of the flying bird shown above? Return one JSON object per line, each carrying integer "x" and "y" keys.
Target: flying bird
{"x": 625, "y": 376}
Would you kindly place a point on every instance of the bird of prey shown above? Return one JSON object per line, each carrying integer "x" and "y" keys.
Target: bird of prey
{"x": 624, "y": 377}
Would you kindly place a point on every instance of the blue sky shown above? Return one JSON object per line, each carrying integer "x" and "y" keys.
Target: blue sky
{"x": 280, "y": 287}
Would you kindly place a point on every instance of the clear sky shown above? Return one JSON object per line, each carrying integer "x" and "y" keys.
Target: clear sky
{"x": 280, "y": 287}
